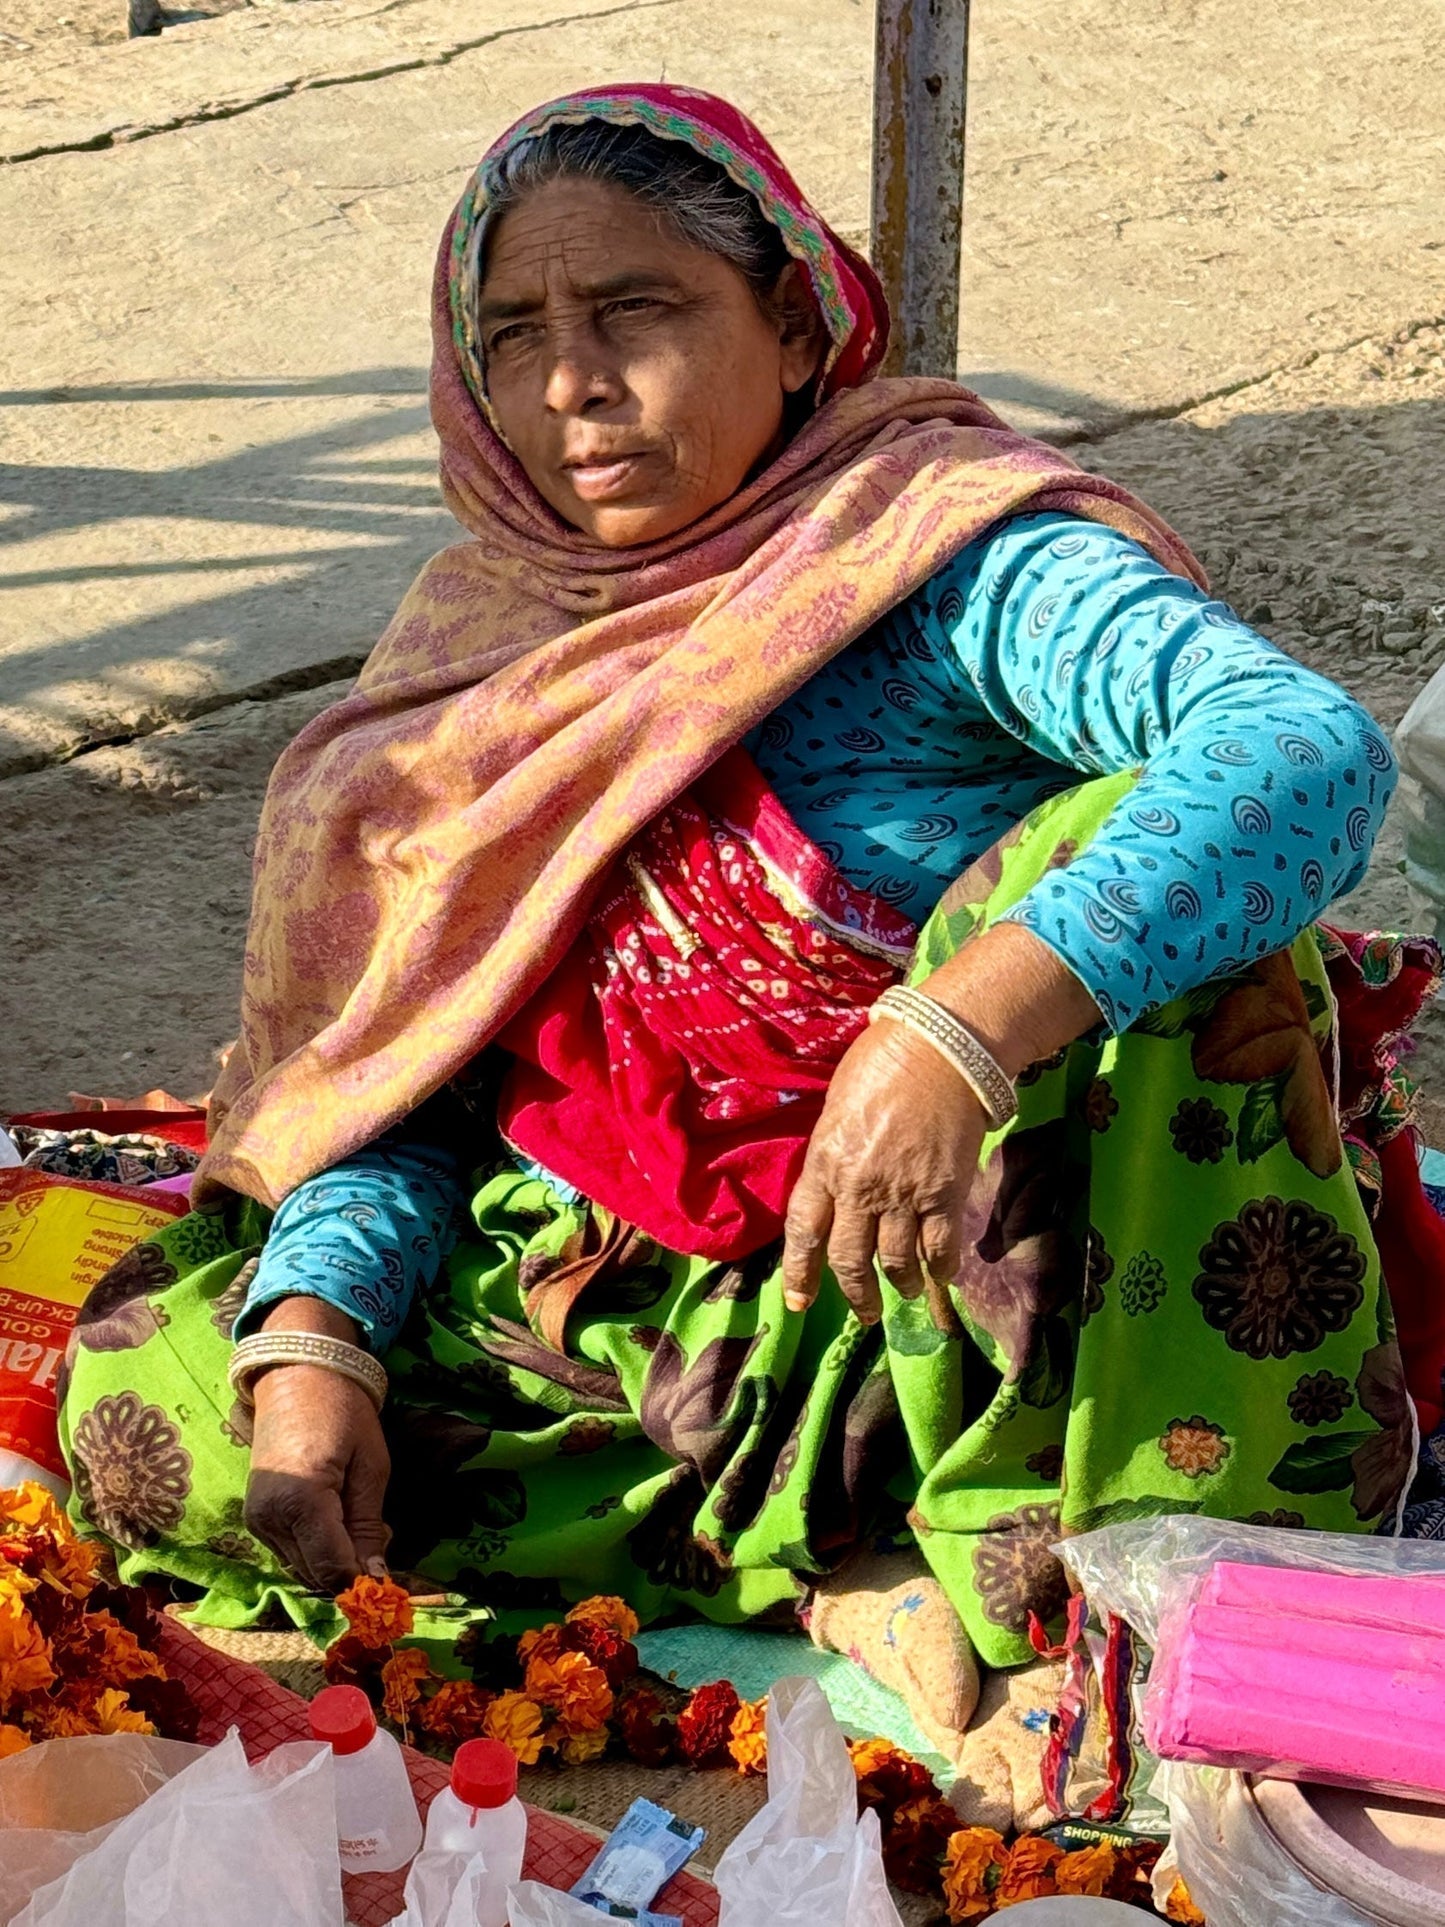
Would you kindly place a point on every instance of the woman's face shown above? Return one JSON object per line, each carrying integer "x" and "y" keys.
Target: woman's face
{"x": 635, "y": 377}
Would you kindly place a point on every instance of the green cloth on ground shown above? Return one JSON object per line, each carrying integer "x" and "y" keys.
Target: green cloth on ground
{"x": 1167, "y": 1246}
{"x": 754, "y": 1661}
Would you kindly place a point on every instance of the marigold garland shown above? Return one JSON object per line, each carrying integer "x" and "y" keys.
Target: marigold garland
{"x": 77, "y": 1655}
{"x": 580, "y": 1689}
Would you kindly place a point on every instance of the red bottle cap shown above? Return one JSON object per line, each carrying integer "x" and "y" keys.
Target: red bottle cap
{"x": 484, "y": 1773}
{"x": 342, "y": 1716}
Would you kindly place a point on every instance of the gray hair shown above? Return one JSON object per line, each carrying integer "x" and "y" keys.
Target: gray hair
{"x": 701, "y": 202}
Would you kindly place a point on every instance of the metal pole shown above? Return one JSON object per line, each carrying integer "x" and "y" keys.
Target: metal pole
{"x": 920, "y": 92}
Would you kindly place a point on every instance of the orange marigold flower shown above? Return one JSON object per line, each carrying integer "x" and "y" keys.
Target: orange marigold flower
{"x": 1088, "y": 1871}
{"x": 77, "y": 1565}
{"x": 24, "y": 1653}
{"x": 607, "y": 1610}
{"x": 541, "y": 1642}
{"x": 456, "y": 1711}
{"x": 606, "y": 1648}
{"x": 1029, "y": 1874}
{"x": 1179, "y": 1906}
{"x": 705, "y": 1722}
{"x": 578, "y": 1748}
{"x": 378, "y": 1611}
{"x": 575, "y": 1690}
{"x": 14, "y": 1583}
{"x": 31, "y": 1504}
{"x": 122, "y": 1658}
{"x": 13, "y": 1739}
{"x": 748, "y": 1737}
{"x": 59, "y": 1719}
{"x": 915, "y": 1840}
{"x": 113, "y": 1713}
{"x": 401, "y": 1679}
{"x": 972, "y": 1872}
{"x": 517, "y": 1722}
{"x": 886, "y": 1775}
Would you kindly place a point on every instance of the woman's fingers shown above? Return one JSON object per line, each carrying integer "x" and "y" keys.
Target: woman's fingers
{"x": 805, "y": 1240}
{"x": 898, "y": 1251}
{"x": 852, "y": 1250}
{"x": 940, "y": 1239}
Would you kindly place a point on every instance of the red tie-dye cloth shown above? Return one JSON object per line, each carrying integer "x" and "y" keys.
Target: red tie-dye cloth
{"x": 673, "y": 1066}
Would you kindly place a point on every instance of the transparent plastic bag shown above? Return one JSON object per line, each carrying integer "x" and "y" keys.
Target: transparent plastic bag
{"x": 807, "y": 1857}
{"x": 222, "y": 1842}
{"x": 61, "y": 1799}
{"x": 1237, "y": 1873}
{"x": 533, "y": 1905}
{"x": 1298, "y": 1655}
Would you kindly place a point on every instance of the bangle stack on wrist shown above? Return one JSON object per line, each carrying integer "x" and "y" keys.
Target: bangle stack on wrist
{"x": 951, "y": 1039}
{"x": 261, "y": 1350}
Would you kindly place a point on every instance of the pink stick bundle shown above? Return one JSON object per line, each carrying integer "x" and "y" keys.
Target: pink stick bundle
{"x": 1306, "y": 1676}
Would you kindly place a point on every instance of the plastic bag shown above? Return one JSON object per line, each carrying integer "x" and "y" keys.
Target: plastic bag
{"x": 1237, "y": 1873}
{"x": 222, "y": 1843}
{"x": 807, "y": 1857}
{"x": 533, "y": 1905}
{"x": 62, "y": 1798}
{"x": 1337, "y": 1677}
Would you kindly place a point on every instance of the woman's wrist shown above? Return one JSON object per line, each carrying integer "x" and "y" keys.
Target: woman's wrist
{"x": 304, "y": 1314}
{"x": 1016, "y": 995}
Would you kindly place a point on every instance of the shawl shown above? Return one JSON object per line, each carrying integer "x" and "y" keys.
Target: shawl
{"x": 431, "y": 845}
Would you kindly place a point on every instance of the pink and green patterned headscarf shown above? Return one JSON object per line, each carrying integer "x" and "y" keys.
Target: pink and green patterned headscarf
{"x": 848, "y": 292}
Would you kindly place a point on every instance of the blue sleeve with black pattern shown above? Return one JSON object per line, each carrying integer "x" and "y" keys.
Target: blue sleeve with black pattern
{"x": 1263, "y": 785}
{"x": 366, "y": 1236}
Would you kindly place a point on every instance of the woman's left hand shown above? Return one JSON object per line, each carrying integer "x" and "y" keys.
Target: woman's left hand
{"x": 887, "y": 1175}
{"x": 895, "y": 1153}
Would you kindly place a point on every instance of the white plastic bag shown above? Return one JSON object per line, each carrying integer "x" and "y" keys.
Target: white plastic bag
{"x": 449, "y": 1890}
{"x": 533, "y": 1905}
{"x": 807, "y": 1857}
{"x": 62, "y": 1798}
{"x": 222, "y": 1843}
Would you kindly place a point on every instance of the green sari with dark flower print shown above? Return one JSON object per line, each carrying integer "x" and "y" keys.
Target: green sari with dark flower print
{"x": 1172, "y": 1302}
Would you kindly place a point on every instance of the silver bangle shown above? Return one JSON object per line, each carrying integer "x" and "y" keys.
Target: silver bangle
{"x": 955, "y": 1041}
{"x": 261, "y": 1350}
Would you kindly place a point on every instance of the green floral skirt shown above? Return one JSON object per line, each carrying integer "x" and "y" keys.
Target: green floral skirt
{"x": 1172, "y": 1303}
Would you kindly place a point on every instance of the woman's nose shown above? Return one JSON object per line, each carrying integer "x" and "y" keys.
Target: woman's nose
{"x": 579, "y": 383}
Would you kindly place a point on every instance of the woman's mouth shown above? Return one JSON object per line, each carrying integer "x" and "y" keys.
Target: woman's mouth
{"x": 601, "y": 479}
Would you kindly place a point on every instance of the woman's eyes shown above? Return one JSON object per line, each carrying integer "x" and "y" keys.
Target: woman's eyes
{"x": 516, "y": 335}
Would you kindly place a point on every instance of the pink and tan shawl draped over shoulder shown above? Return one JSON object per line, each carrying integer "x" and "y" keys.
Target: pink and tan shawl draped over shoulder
{"x": 431, "y": 845}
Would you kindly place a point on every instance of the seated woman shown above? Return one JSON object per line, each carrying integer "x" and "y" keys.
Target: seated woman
{"x": 580, "y": 1230}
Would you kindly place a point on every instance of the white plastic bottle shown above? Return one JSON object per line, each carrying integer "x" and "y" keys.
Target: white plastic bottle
{"x": 378, "y": 1828}
{"x": 479, "y": 1814}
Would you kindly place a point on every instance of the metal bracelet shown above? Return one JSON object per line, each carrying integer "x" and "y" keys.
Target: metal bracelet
{"x": 955, "y": 1041}
{"x": 264, "y": 1349}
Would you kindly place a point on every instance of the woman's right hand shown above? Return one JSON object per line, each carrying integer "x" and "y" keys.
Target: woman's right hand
{"x": 319, "y": 1463}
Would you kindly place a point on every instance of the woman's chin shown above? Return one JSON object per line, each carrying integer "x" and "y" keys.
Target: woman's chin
{"x": 631, "y": 524}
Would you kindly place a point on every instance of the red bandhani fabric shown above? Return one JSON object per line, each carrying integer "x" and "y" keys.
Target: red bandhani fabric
{"x": 228, "y": 1692}
{"x": 674, "y": 1065}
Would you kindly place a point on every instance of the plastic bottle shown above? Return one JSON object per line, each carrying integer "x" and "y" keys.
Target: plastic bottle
{"x": 478, "y": 1814}
{"x": 378, "y": 1828}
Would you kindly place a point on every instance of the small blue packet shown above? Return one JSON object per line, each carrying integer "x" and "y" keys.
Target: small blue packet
{"x": 640, "y": 1855}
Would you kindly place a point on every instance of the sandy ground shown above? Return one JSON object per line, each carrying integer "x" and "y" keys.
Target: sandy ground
{"x": 31, "y": 24}
{"x": 216, "y": 477}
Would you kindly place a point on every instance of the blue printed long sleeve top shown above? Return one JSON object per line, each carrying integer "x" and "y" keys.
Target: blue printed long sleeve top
{"x": 1046, "y": 651}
